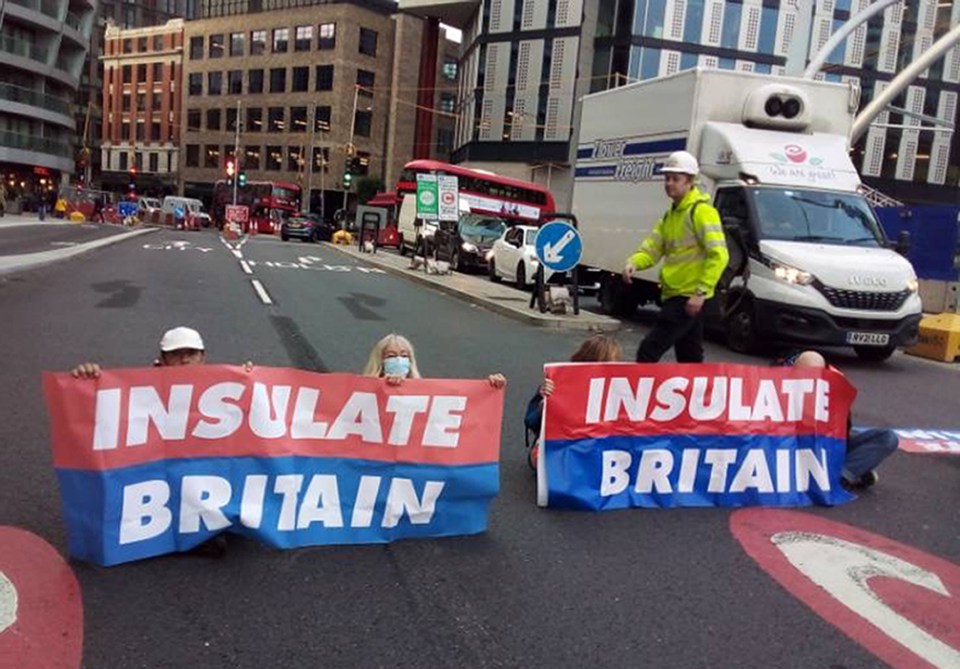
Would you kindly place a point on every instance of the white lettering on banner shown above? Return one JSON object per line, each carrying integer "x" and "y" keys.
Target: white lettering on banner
{"x": 776, "y": 401}
{"x": 146, "y": 511}
{"x": 220, "y": 413}
{"x": 656, "y": 466}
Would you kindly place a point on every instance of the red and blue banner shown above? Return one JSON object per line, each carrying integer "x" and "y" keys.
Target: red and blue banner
{"x": 152, "y": 461}
{"x": 625, "y": 435}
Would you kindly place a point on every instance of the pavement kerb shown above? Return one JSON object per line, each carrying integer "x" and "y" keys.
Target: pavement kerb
{"x": 24, "y": 261}
{"x": 585, "y": 321}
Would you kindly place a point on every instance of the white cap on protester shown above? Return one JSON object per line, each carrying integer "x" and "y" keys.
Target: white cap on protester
{"x": 181, "y": 337}
{"x": 681, "y": 162}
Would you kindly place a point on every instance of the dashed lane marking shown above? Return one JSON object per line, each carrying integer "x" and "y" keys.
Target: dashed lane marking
{"x": 261, "y": 291}
{"x": 245, "y": 267}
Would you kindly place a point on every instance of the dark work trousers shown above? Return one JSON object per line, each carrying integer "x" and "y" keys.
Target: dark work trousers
{"x": 676, "y": 328}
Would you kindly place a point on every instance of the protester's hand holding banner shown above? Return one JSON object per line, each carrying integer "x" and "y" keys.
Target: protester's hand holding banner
{"x": 625, "y": 435}
{"x": 152, "y": 461}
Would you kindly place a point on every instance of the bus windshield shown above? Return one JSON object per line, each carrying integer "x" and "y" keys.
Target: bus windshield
{"x": 815, "y": 216}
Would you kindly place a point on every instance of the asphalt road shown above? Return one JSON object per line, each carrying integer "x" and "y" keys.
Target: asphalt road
{"x": 540, "y": 588}
{"x": 15, "y": 240}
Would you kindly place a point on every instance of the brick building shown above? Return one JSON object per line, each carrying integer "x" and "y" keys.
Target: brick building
{"x": 141, "y": 107}
{"x": 309, "y": 81}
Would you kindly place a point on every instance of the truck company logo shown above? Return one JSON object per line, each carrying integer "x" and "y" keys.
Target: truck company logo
{"x": 875, "y": 281}
{"x": 627, "y": 159}
{"x": 797, "y": 155}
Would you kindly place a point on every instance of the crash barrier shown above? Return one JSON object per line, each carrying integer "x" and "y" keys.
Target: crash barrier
{"x": 625, "y": 435}
{"x": 153, "y": 461}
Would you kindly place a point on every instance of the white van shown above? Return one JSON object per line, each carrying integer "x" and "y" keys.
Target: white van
{"x": 188, "y": 209}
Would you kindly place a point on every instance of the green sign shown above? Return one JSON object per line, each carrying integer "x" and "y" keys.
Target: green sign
{"x": 428, "y": 196}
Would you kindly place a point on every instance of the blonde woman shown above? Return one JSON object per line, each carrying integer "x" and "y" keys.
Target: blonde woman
{"x": 393, "y": 359}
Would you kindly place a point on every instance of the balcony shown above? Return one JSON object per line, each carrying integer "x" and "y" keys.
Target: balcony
{"x": 47, "y": 7}
{"x": 15, "y": 140}
{"x": 24, "y": 49}
{"x": 27, "y": 96}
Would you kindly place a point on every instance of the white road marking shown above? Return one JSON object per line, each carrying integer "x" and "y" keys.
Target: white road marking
{"x": 8, "y": 603}
{"x": 238, "y": 254}
{"x": 261, "y": 291}
{"x": 63, "y": 243}
{"x": 245, "y": 267}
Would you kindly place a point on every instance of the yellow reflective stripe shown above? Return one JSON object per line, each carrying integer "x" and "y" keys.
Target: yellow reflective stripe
{"x": 711, "y": 227}
{"x": 710, "y": 243}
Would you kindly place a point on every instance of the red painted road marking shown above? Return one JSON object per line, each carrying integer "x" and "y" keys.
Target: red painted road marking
{"x": 41, "y": 613}
{"x": 900, "y": 603}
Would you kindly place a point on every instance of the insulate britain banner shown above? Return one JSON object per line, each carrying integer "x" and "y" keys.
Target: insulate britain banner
{"x": 625, "y": 435}
{"x": 152, "y": 461}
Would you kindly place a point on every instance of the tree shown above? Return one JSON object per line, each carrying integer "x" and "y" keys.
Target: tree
{"x": 367, "y": 187}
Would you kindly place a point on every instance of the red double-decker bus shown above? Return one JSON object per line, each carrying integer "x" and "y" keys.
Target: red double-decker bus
{"x": 481, "y": 192}
{"x": 269, "y": 203}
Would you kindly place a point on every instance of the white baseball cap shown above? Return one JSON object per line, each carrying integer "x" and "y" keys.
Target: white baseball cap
{"x": 181, "y": 337}
{"x": 681, "y": 162}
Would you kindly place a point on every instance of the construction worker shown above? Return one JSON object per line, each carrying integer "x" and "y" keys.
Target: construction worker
{"x": 689, "y": 239}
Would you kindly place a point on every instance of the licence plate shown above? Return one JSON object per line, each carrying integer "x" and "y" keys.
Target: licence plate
{"x": 868, "y": 338}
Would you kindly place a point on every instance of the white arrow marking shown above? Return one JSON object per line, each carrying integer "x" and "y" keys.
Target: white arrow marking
{"x": 8, "y": 603}
{"x": 552, "y": 252}
{"x": 844, "y": 570}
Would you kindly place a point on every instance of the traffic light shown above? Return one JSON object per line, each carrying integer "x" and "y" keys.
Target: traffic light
{"x": 133, "y": 177}
{"x": 242, "y": 179}
{"x": 347, "y": 181}
{"x": 231, "y": 168}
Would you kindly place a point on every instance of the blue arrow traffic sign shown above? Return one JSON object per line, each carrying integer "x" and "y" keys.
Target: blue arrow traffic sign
{"x": 559, "y": 246}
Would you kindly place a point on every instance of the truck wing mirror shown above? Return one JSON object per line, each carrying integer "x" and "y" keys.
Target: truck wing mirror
{"x": 903, "y": 243}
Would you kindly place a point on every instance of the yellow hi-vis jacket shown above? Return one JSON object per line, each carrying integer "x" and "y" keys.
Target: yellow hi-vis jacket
{"x": 690, "y": 241}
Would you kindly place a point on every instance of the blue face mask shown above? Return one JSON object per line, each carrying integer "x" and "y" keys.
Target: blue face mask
{"x": 397, "y": 366}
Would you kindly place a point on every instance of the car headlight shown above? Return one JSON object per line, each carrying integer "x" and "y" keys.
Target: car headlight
{"x": 489, "y": 255}
{"x": 468, "y": 247}
{"x": 791, "y": 274}
{"x": 913, "y": 285}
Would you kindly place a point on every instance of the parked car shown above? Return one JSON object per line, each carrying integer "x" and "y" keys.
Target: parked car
{"x": 306, "y": 227}
{"x": 515, "y": 257}
{"x": 467, "y": 244}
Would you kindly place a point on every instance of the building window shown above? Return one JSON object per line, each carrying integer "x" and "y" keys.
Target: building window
{"x": 125, "y": 131}
{"x": 216, "y": 46}
{"x": 142, "y": 73}
{"x": 158, "y": 42}
{"x": 237, "y": 44}
{"x": 128, "y": 45}
{"x": 258, "y": 42}
{"x": 363, "y": 161}
{"x": 195, "y": 84}
{"x": 193, "y": 155}
{"x": 212, "y": 157}
{"x": 214, "y": 83}
{"x": 254, "y": 119}
{"x": 231, "y": 119}
{"x": 450, "y": 69}
{"x": 141, "y": 45}
{"x": 141, "y": 134}
{"x": 255, "y": 81}
{"x": 298, "y": 119}
{"x": 321, "y": 158}
{"x": 327, "y": 36}
{"x": 157, "y": 72}
{"x": 123, "y": 161}
{"x": 321, "y": 118}
{"x": 125, "y": 102}
{"x": 448, "y": 102}
{"x": 303, "y": 38}
{"x": 213, "y": 119}
{"x": 228, "y": 154}
{"x": 275, "y": 119}
{"x": 154, "y": 162}
{"x": 293, "y": 159}
{"x": 324, "y": 78}
{"x": 196, "y": 48}
{"x": 235, "y": 82}
{"x": 365, "y": 81}
{"x": 155, "y": 132}
{"x": 274, "y": 158}
{"x": 156, "y": 100}
{"x": 363, "y": 122}
{"x": 281, "y": 37}
{"x": 368, "y": 42}
{"x": 127, "y": 73}
{"x": 278, "y": 80}
{"x": 301, "y": 79}
{"x": 193, "y": 119}
{"x": 251, "y": 159}
{"x": 444, "y": 142}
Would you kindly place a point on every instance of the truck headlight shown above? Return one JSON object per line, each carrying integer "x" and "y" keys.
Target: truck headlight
{"x": 468, "y": 247}
{"x": 791, "y": 274}
{"x": 913, "y": 285}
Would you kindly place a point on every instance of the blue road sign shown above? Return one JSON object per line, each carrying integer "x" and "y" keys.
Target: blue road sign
{"x": 559, "y": 246}
{"x": 127, "y": 209}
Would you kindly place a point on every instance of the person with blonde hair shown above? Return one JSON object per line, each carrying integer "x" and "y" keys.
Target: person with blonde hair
{"x": 393, "y": 358}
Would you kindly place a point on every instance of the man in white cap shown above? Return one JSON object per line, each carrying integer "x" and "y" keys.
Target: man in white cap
{"x": 689, "y": 239}
{"x": 179, "y": 346}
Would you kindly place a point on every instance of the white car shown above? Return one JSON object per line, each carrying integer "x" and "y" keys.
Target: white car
{"x": 514, "y": 256}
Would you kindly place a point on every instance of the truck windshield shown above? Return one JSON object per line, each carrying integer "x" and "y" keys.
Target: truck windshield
{"x": 815, "y": 216}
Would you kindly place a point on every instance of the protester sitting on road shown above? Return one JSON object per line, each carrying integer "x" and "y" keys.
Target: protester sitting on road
{"x": 866, "y": 449}
{"x": 598, "y": 348}
{"x": 393, "y": 358}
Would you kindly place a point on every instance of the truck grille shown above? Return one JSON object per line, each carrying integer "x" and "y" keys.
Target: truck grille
{"x": 863, "y": 300}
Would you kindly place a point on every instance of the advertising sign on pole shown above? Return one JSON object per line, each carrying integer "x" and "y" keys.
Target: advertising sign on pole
{"x": 427, "y": 196}
{"x": 449, "y": 190}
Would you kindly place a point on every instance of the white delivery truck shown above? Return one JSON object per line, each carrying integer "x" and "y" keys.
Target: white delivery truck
{"x": 809, "y": 263}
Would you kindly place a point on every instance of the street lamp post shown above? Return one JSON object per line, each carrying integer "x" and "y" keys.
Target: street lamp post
{"x": 236, "y": 153}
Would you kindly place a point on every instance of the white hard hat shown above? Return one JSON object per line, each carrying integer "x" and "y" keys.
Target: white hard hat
{"x": 681, "y": 162}
{"x": 181, "y": 337}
